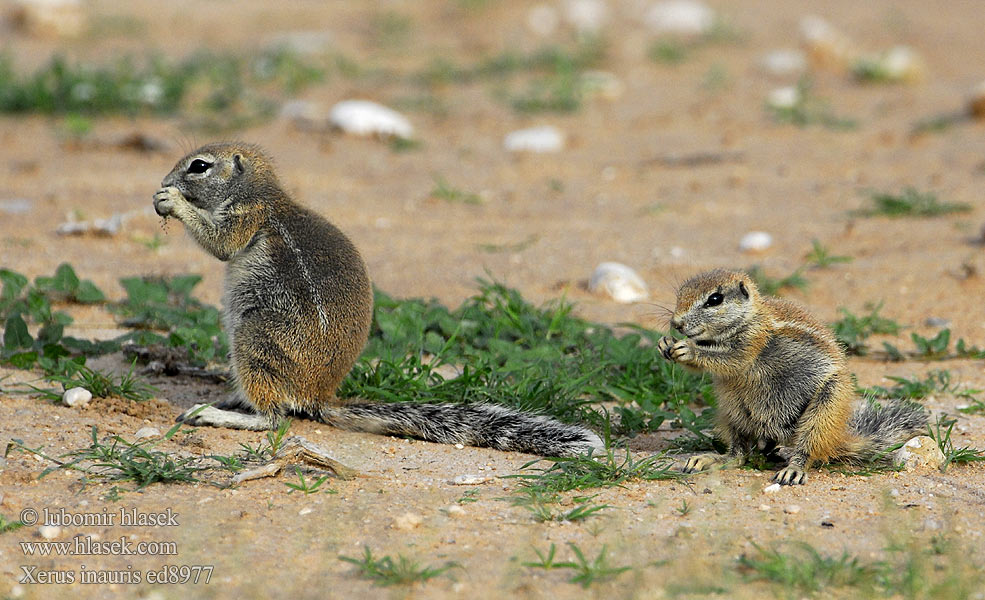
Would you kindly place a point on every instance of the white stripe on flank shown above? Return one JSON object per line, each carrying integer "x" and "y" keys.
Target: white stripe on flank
{"x": 315, "y": 296}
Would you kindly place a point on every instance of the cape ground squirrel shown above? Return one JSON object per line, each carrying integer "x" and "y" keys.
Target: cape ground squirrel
{"x": 297, "y": 307}
{"x": 780, "y": 377}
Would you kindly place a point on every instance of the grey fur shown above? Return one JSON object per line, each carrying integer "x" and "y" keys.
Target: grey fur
{"x": 883, "y": 426}
{"x": 297, "y": 307}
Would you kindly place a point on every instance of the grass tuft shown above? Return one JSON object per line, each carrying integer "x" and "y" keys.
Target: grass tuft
{"x": 400, "y": 571}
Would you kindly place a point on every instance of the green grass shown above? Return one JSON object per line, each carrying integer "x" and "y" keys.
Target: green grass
{"x": 116, "y": 459}
{"x": 219, "y": 90}
{"x": 806, "y": 570}
{"x": 305, "y": 486}
{"x": 911, "y": 203}
{"x": 578, "y": 473}
{"x": 389, "y": 571}
{"x": 821, "y": 258}
{"x": 853, "y": 330}
{"x": 936, "y": 381}
{"x": 538, "y": 503}
{"x": 444, "y": 191}
{"x": 772, "y": 285}
{"x": 7, "y": 525}
{"x": 586, "y": 572}
{"x": 810, "y": 110}
{"x": 941, "y": 432}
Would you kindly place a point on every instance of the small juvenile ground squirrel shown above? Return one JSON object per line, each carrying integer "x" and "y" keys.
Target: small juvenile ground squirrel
{"x": 780, "y": 377}
{"x": 297, "y": 308}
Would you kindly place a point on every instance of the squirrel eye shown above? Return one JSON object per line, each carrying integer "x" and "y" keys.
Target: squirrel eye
{"x": 714, "y": 300}
{"x": 199, "y": 166}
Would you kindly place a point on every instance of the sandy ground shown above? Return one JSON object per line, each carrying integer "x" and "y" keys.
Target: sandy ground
{"x": 615, "y": 193}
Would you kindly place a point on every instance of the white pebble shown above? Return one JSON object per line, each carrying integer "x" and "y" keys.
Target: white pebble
{"x": 17, "y": 206}
{"x": 542, "y": 19}
{"x": 784, "y": 98}
{"x": 367, "y": 118}
{"x": 76, "y": 396}
{"x": 408, "y": 521}
{"x": 535, "y": 139}
{"x": 919, "y": 452}
{"x": 147, "y": 432}
{"x": 620, "y": 282}
{"x": 301, "y": 42}
{"x": 780, "y": 63}
{"x": 469, "y": 480}
{"x": 764, "y": 507}
{"x": 49, "y": 532}
{"x": 771, "y": 489}
{"x": 791, "y": 509}
{"x": 305, "y": 511}
{"x": 902, "y": 63}
{"x": 681, "y": 17}
{"x": 755, "y": 241}
{"x": 824, "y": 43}
{"x": 586, "y": 15}
{"x": 455, "y": 511}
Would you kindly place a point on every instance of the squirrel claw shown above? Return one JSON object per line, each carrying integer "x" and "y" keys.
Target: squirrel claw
{"x": 790, "y": 476}
{"x": 674, "y": 350}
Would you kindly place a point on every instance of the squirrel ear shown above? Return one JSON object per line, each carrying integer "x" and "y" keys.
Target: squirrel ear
{"x": 238, "y": 164}
{"x": 742, "y": 288}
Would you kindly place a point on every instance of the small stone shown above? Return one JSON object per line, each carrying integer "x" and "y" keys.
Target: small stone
{"x": 408, "y": 521}
{"x": 367, "y": 118}
{"x": 755, "y": 241}
{"x": 772, "y": 488}
{"x": 894, "y": 493}
{"x": 542, "y": 19}
{"x": 469, "y": 480}
{"x": 782, "y": 63}
{"x": 936, "y": 322}
{"x": 76, "y": 396}
{"x": 680, "y": 17}
{"x": 900, "y": 63}
{"x": 619, "y": 282}
{"x": 16, "y": 206}
{"x": 764, "y": 507}
{"x": 459, "y": 446}
{"x": 147, "y": 432}
{"x": 587, "y": 16}
{"x": 544, "y": 139}
{"x": 307, "y": 510}
{"x": 791, "y": 509}
{"x": 825, "y": 44}
{"x": 301, "y": 42}
{"x": 921, "y": 452}
{"x": 49, "y": 532}
{"x": 784, "y": 98}
{"x": 455, "y": 511}
{"x": 976, "y": 104}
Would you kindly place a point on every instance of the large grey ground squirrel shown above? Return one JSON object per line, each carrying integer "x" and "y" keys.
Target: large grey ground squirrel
{"x": 780, "y": 377}
{"x": 297, "y": 308}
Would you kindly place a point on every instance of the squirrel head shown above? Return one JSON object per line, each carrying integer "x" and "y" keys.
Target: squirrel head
{"x": 218, "y": 173}
{"x": 713, "y": 303}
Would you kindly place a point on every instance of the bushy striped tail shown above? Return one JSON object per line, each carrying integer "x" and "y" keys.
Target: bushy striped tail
{"x": 878, "y": 427}
{"x": 485, "y": 425}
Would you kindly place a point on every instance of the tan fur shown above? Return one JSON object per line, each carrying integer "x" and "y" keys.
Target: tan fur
{"x": 779, "y": 374}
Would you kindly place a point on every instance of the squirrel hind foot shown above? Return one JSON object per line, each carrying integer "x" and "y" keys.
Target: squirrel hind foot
{"x": 204, "y": 415}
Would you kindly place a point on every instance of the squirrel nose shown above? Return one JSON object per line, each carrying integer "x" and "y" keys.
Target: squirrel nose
{"x": 676, "y": 323}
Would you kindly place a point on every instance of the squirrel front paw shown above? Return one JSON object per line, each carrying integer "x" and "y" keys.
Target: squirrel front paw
{"x": 675, "y": 350}
{"x": 791, "y": 475}
{"x": 166, "y": 199}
